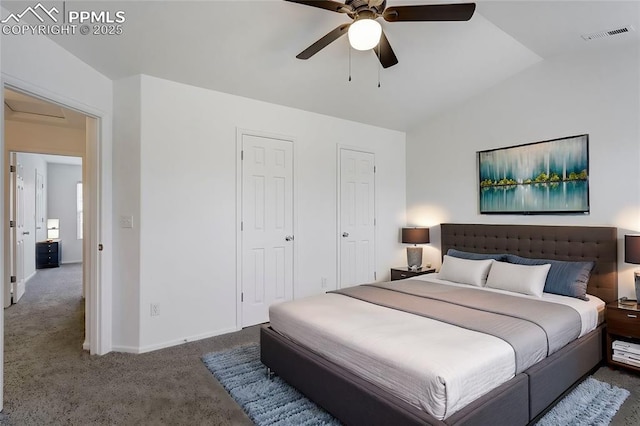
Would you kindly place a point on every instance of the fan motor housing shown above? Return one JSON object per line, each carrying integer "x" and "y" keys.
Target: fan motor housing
{"x": 376, "y": 6}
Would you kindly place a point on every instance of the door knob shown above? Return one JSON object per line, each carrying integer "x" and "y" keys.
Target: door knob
{"x": 288, "y": 238}
{"x": 345, "y": 234}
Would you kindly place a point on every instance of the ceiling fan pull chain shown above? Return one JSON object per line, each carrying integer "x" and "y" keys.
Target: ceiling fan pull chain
{"x": 349, "y": 47}
{"x": 379, "y": 65}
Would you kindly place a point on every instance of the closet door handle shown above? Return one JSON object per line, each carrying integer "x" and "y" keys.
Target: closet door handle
{"x": 345, "y": 234}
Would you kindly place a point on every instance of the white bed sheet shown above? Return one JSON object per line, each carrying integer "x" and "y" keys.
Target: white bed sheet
{"x": 420, "y": 360}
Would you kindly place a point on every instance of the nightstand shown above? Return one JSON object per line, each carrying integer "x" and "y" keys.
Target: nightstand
{"x": 48, "y": 254}
{"x": 623, "y": 325}
{"x": 405, "y": 272}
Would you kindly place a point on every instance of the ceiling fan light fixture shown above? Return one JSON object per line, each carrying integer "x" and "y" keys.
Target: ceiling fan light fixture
{"x": 364, "y": 34}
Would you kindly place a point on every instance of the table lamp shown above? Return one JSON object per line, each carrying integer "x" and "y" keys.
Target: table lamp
{"x": 53, "y": 229}
{"x": 632, "y": 255}
{"x": 415, "y": 236}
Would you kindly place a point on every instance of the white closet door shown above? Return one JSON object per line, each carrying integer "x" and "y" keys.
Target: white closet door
{"x": 267, "y": 230}
{"x": 357, "y": 213}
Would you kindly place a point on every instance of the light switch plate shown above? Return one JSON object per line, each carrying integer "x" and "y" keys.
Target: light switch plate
{"x": 126, "y": 221}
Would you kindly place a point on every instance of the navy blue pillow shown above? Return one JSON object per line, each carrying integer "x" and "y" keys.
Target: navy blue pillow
{"x": 475, "y": 256}
{"x": 564, "y": 278}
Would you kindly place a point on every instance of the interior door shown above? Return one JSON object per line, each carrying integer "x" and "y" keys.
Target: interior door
{"x": 267, "y": 225}
{"x": 357, "y": 213}
{"x": 18, "y": 229}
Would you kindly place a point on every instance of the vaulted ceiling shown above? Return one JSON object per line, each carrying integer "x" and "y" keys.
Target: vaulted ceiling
{"x": 248, "y": 48}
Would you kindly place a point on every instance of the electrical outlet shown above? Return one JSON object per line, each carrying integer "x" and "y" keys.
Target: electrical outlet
{"x": 323, "y": 282}
{"x": 155, "y": 309}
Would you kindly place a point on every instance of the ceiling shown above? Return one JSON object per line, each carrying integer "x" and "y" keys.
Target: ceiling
{"x": 60, "y": 159}
{"x": 25, "y": 108}
{"x": 248, "y": 48}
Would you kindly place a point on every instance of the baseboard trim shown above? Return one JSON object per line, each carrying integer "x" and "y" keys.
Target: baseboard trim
{"x": 86, "y": 346}
{"x": 67, "y": 262}
{"x": 126, "y": 349}
{"x": 176, "y": 342}
{"x": 33, "y": 274}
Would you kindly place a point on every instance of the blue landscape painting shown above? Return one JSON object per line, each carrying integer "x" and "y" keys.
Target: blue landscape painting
{"x": 542, "y": 177}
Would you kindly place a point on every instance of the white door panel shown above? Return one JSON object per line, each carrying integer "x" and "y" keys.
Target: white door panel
{"x": 18, "y": 231}
{"x": 267, "y": 216}
{"x": 357, "y": 212}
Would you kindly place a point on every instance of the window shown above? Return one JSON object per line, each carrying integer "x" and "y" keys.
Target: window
{"x": 79, "y": 210}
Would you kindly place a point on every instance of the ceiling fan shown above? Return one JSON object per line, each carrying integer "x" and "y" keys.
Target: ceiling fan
{"x": 366, "y": 33}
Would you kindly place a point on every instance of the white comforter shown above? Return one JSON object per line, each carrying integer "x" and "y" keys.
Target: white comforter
{"x": 435, "y": 366}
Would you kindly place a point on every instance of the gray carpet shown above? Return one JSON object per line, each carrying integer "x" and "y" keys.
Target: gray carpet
{"x": 49, "y": 379}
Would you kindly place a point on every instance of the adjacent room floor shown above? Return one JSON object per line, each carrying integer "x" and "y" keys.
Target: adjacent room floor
{"x": 49, "y": 379}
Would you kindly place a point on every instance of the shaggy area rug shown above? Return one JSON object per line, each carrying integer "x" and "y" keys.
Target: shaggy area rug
{"x": 266, "y": 401}
{"x": 274, "y": 402}
{"x": 592, "y": 402}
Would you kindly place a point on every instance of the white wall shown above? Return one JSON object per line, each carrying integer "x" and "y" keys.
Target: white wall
{"x": 38, "y": 65}
{"x": 30, "y": 164}
{"x": 188, "y": 201}
{"x": 61, "y": 204}
{"x": 596, "y": 94}
{"x": 126, "y": 186}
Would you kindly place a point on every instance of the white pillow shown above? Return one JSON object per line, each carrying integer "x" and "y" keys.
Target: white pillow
{"x": 465, "y": 271}
{"x": 526, "y": 279}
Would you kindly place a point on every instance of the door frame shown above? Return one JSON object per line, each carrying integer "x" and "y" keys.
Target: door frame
{"x": 340, "y": 147}
{"x": 98, "y": 320}
{"x": 240, "y": 132}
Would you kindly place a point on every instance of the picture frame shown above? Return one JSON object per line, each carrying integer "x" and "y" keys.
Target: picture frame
{"x": 546, "y": 177}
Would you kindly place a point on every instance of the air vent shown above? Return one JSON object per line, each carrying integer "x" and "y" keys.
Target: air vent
{"x": 609, "y": 33}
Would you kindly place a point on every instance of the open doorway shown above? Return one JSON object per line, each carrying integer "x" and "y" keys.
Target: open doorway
{"x": 46, "y": 214}
{"x": 45, "y": 196}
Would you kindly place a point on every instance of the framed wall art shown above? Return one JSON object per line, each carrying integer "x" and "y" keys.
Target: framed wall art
{"x": 536, "y": 178}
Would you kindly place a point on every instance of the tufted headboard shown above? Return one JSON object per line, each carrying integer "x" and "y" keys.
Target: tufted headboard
{"x": 596, "y": 243}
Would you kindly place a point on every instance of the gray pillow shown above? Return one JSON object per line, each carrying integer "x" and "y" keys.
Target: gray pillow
{"x": 475, "y": 256}
{"x": 564, "y": 278}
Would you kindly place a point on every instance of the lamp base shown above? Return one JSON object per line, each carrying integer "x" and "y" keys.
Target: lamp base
{"x": 414, "y": 257}
{"x": 636, "y": 275}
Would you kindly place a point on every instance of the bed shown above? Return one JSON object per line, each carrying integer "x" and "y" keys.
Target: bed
{"x": 356, "y": 398}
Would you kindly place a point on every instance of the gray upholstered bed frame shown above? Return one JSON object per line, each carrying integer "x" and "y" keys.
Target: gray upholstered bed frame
{"x": 517, "y": 402}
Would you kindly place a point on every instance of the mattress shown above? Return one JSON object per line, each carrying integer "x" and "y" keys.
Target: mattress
{"x": 435, "y": 366}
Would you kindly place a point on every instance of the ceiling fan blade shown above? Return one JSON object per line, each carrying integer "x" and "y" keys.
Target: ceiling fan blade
{"x": 384, "y": 52}
{"x": 333, "y": 6}
{"x": 432, "y": 12}
{"x": 324, "y": 42}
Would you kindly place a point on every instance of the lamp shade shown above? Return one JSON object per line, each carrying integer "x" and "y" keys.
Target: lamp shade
{"x": 364, "y": 34}
{"x": 415, "y": 235}
{"x": 53, "y": 229}
{"x": 632, "y": 249}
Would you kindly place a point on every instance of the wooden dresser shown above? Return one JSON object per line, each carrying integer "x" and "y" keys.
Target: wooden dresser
{"x": 48, "y": 254}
